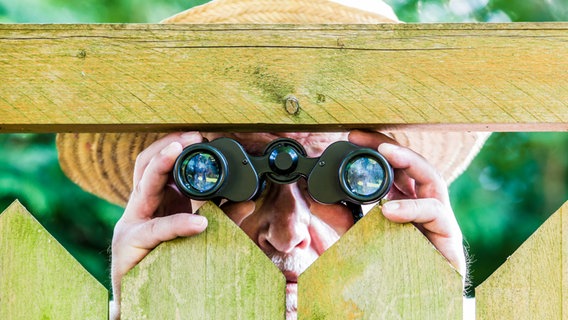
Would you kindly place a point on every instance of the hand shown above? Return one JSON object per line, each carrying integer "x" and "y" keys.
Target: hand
{"x": 156, "y": 211}
{"x": 419, "y": 195}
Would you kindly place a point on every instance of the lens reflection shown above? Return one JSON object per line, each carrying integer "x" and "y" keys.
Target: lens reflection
{"x": 364, "y": 176}
{"x": 201, "y": 171}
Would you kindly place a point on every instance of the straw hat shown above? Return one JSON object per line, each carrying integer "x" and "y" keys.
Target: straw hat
{"x": 103, "y": 163}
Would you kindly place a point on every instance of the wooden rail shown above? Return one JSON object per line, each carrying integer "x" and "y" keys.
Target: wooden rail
{"x": 496, "y": 77}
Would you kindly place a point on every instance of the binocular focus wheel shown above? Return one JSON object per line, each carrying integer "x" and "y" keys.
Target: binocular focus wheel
{"x": 283, "y": 157}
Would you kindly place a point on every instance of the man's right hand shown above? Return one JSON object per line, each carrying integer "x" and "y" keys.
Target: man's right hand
{"x": 156, "y": 211}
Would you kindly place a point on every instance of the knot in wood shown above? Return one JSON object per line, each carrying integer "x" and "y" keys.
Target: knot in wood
{"x": 292, "y": 105}
{"x": 82, "y": 54}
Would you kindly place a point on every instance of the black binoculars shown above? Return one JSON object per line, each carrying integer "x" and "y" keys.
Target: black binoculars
{"x": 223, "y": 169}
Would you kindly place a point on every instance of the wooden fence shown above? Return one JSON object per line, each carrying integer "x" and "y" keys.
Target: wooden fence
{"x": 115, "y": 78}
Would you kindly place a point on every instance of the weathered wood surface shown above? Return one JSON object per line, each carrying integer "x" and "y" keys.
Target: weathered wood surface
{"x": 39, "y": 279}
{"x": 380, "y": 270}
{"x": 533, "y": 282}
{"x": 218, "y": 274}
{"x": 164, "y": 77}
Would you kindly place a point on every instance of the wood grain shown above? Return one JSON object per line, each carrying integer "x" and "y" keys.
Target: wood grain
{"x": 496, "y": 77}
{"x": 533, "y": 282}
{"x": 380, "y": 270}
{"x": 218, "y": 274}
{"x": 39, "y": 279}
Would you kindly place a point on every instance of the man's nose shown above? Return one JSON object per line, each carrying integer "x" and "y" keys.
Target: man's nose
{"x": 288, "y": 218}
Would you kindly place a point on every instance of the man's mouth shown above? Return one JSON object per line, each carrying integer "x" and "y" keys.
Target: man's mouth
{"x": 291, "y": 294}
{"x": 291, "y": 276}
{"x": 291, "y": 281}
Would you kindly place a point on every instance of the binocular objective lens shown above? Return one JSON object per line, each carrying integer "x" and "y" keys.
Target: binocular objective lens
{"x": 364, "y": 176}
{"x": 201, "y": 171}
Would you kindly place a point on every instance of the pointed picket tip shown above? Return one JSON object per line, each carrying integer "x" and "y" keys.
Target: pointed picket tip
{"x": 380, "y": 270}
{"x": 39, "y": 279}
{"x": 533, "y": 282}
{"x": 218, "y": 274}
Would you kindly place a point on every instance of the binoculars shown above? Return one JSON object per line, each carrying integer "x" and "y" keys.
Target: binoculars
{"x": 223, "y": 169}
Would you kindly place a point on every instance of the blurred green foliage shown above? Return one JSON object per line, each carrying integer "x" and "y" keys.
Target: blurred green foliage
{"x": 514, "y": 184}
{"x": 480, "y": 10}
{"x": 30, "y": 172}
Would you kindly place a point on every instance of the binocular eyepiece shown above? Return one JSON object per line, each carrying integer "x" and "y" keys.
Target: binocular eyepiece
{"x": 223, "y": 169}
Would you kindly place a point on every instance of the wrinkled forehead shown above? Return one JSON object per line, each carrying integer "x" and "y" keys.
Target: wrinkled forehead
{"x": 254, "y": 143}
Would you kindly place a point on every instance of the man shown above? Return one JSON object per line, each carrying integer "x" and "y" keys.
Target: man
{"x": 284, "y": 221}
{"x": 290, "y": 227}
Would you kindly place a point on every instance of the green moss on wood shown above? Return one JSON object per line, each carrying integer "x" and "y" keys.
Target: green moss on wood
{"x": 39, "y": 279}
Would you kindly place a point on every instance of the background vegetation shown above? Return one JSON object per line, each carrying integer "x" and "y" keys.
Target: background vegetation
{"x": 514, "y": 184}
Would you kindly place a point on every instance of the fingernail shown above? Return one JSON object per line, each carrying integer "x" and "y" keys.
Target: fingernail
{"x": 391, "y": 206}
{"x": 388, "y": 146}
{"x": 198, "y": 220}
{"x": 191, "y": 137}
{"x": 188, "y": 134}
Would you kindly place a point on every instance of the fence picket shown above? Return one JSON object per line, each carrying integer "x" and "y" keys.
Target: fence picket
{"x": 380, "y": 270}
{"x": 218, "y": 274}
{"x": 533, "y": 282}
{"x": 39, "y": 279}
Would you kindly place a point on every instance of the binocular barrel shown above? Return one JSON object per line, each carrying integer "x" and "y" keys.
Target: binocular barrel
{"x": 223, "y": 169}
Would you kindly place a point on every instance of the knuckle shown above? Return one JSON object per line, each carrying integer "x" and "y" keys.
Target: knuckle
{"x": 153, "y": 226}
{"x": 118, "y": 227}
{"x": 141, "y": 158}
{"x": 140, "y": 165}
{"x": 437, "y": 205}
{"x": 159, "y": 229}
{"x": 118, "y": 234}
{"x": 138, "y": 190}
{"x": 415, "y": 206}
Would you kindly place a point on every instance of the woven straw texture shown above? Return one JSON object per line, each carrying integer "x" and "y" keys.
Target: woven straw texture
{"x": 275, "y": 11}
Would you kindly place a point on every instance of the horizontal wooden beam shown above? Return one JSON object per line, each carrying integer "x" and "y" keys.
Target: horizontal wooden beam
{"x": 283, "y": 77}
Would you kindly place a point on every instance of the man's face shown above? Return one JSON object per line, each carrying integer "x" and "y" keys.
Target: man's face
{"x": 284, "y": 221}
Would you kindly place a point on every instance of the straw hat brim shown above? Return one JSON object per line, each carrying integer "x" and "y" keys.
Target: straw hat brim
{"x": 278, "y": 11}
{"x": 103, "y": 163}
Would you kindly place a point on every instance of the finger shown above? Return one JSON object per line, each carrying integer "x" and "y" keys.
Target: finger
{"x": 435, "y": 221}
{"x": 428, "y": 181}
{"x": 148, "y": 193}
{"x": 430, "y": 213}
{"x": 131, "y": 243}
{"x": 146, "y": 156}
{"x": 369, "y": 139}
{"x": 158, "y": 230}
